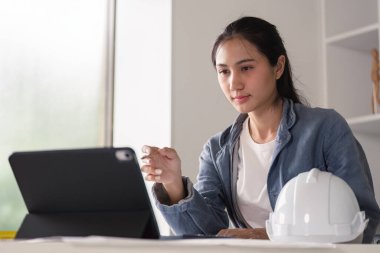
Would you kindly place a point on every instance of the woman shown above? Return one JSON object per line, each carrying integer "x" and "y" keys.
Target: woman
{"x": 275, "y": 137}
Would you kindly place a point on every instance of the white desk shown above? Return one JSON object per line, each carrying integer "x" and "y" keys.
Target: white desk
{"x": 116, "y": 245}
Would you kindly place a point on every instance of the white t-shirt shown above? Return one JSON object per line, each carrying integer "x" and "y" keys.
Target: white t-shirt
{"x": 253, "y": 166}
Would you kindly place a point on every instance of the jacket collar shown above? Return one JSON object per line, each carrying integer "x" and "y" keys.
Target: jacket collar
{"x": 287, "y": 121}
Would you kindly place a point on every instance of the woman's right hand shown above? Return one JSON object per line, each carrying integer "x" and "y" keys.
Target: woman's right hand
{"x": 163, "y": 165}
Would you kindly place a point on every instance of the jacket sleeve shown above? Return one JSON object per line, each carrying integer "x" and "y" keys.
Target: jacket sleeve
{"x": 345, "y": 158}
{"x": 202, "y": 211}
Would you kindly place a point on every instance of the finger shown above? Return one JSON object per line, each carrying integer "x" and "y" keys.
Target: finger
{"x": 147, "y": 169}
{"x": 151, "y": 170}
{"x": 171, "y": 153}
{"x": 149, "y": 177}
{"x": 145, "y": 149}
{"x": 146, "y": 159}
{"x": 154, "y": 156}
{"x": 223, "y": 232}
{"x": 150, "y": 160}
{"x": 148, "y": 149}
{"x": 153, "y": 178}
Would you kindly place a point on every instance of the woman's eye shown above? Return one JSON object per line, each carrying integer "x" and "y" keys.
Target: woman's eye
{"x": 246, "y": 68}
{"x": 223, "y": 72}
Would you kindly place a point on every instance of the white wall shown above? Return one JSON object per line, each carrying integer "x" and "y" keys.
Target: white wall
{"x": 142, "y": 113}
{"x": 199, "y": 108}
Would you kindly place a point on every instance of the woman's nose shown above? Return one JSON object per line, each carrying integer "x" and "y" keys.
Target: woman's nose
{"x": 235, "y": 81}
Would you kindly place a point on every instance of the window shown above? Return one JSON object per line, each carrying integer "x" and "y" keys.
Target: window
{"x": 53, "y": 75}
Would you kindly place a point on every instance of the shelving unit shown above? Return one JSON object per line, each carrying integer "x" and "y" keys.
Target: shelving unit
{"x": 368, "y": 124}
{"x": 351, "y": 31}
{"x": 360, "y": 39}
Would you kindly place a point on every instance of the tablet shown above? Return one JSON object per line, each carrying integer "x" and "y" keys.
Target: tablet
{"x": 81, "y": 192}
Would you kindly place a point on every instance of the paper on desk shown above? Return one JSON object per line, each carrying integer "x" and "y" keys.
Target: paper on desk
{"x": 128, "y": 242}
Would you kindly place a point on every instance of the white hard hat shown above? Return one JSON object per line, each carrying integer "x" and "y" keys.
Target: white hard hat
{"x": 316, "y": 206}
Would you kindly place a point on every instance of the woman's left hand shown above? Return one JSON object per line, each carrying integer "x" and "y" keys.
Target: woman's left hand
{"x": 245, "y": 233}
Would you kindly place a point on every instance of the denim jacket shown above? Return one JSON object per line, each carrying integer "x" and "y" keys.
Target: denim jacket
{"x": 307, "y": 138}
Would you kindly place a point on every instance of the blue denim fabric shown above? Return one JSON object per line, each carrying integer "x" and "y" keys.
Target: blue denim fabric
{"x": 307, "y": 138}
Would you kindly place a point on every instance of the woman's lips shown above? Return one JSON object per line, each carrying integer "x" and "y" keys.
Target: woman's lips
{"x": 240, "y": 99}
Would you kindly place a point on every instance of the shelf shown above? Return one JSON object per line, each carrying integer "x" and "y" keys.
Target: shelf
{"x": 368, "y": 124}
{"x": 361, "y": 39}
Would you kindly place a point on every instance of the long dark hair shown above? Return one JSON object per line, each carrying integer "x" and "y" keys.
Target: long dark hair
{"x": 265, "y": 37}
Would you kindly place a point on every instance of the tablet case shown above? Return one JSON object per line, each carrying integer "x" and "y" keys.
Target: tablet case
{"x": 83, "y": 192}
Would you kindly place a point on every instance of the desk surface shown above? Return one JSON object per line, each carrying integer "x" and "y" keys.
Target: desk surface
{"x": 117, "y": 245}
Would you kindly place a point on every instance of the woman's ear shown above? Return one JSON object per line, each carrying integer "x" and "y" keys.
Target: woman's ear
{"x": 280, "y": 66}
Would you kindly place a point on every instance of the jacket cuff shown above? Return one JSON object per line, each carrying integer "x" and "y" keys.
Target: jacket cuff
{"x": 162, "y": 196}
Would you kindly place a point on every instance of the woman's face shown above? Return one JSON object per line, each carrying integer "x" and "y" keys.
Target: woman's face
{"x": 245, "y": 75}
